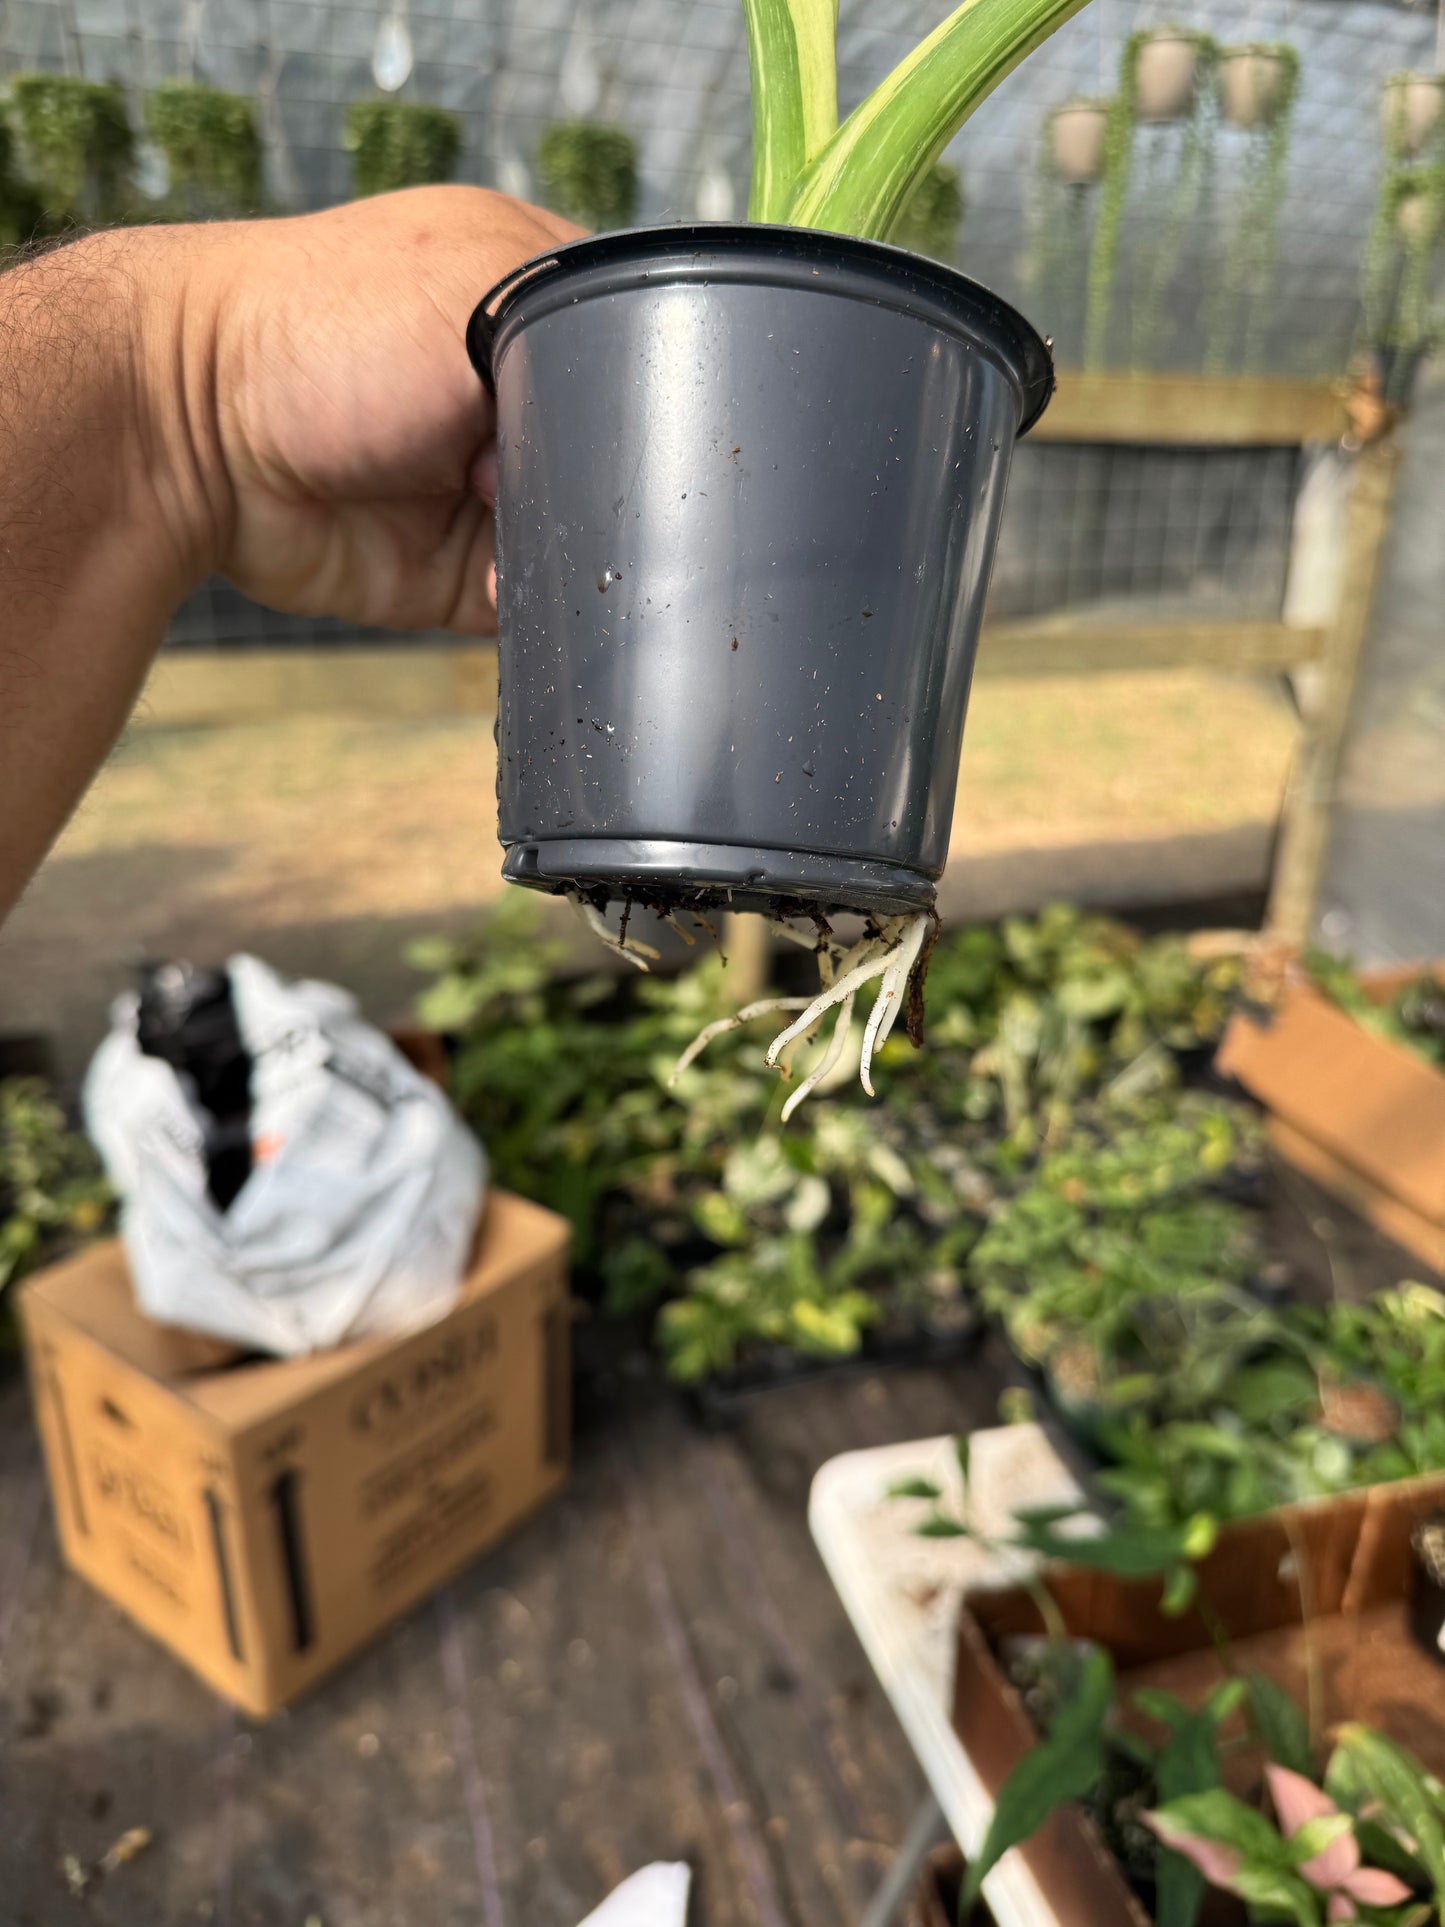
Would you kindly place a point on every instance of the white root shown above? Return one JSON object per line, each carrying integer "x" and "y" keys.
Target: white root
{"x": 891, "y": 994}
{"x": 721, "y": 1024}
{"x": 890, "y": 952}
{"x": 861, "y": 964}
{"x": 635, "y": 951}
{"x": 828, "y": 1059}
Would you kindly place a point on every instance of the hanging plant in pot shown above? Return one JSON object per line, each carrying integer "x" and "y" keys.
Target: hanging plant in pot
{"x": 1257, "y": 87}
{"x": 1076, "y": 135}
{"x": 1167, "y": 73}
{"x": 749, "y": 492}
{"x": 1414, "y": 109}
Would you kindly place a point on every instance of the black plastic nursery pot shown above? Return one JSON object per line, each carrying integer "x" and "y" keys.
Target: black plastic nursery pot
{"x": 749, "y": 494}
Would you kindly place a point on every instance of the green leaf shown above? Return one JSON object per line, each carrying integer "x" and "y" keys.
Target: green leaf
{"x": 1279, "y": 1724}
{"x": 1402, "y": 1789}
{"x": 1129, "y": 1551}
{"x": 1218, "y": 1816}
{"x": 863, "y": 178}
{"x": 1188, "y": 1764}
{"x": 914, "y": 1487}
{"x": 940, "y": 1526}
{"x": 1180, "y": 1587}
{"x": 793, "y": 63}
{"x": 963, "y": 1452}
{"x": 1063, "y": 1766}
{"x": 1316, "y": 1835}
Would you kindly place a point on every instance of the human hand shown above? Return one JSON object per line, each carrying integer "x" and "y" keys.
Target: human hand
{"x": 348, "y": 468}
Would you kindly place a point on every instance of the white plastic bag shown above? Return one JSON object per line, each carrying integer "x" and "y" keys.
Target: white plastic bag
{"x": 655, "y": 1897}
{"x": 358, "y": 1215}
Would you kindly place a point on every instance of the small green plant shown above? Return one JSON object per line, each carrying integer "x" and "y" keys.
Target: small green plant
{"x": 77, "y": 145}
{"x": 859, "y": 176}
{"x": 211, "y": 145}
{"x": 53, "y": 1196}
{"x": 1309, "y": 1865}
{"x": 400, "y": 143}
{"x": 589, "y": 173}
{"x": 930, "y": 222}
{"x": 1238, "y": 305}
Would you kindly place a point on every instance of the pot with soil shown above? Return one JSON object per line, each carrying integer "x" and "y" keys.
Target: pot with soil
{"x": 1166, "y": 76}
{"x": 750, "y": 487}
{"x": 1253, "y": 83}
{"x": 1412, "y": 107}
{"x": 1076, "y": 133}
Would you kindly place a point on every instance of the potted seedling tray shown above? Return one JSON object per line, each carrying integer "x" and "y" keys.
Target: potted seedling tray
{"x": 1313, "y": 1592}
{"x": 1362, "y": 1115}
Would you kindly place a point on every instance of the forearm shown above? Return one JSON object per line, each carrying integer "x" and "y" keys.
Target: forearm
{"x": 108, "y": 508}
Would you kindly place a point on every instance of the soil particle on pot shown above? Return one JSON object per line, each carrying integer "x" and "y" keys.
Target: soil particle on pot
{"x": 735, "y": 642}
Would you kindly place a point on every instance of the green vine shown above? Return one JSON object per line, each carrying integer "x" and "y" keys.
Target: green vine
{"x": 211, "y": 145}
{"x": 589, "y": 173}
{"x": 1056, "y": 254}
{"x": 930, "y": 220}
{"x": 1396, "y": 311}
{"x": 1118, "y": 168}
{"x": 78, "y": 145}
{"x": 1249, "y": 261}
{"x": 400, "y": 143}
{"x": 1109, "y": 221}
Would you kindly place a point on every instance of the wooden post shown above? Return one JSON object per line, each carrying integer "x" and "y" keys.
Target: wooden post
{"x": 747, "y": 947}
{"x": 1309, "y": 799}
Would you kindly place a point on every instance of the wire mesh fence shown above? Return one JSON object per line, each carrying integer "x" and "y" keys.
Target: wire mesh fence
{"x": 1236, "y": 248}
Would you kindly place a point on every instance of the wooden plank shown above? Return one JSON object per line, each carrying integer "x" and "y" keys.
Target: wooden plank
{"x": 1308, "y": 803}
{"x": 193, "y": 687}
{"x": 205, "y": 688}
{"x": 1192, "y": 411}
{"x": 1078, "y": 642}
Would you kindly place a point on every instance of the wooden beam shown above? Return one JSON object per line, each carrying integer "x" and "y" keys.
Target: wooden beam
{"x": 195, "y": 688}
{"x": 1191, "y": 411}
{"x": 190, "y": 687}
{"x": 1309, "y": 799}
{"x": 1081, "y": 643}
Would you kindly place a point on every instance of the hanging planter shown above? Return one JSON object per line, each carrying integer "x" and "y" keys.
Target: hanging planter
{"x": 750, "y": 486}
{"x": 1166, "y": 75}
{"x": 1257, "y": 94}
{"x": 1076, "y": 136}
{"x": 1255, "y": 84}
{"x": 1412, "y": 108}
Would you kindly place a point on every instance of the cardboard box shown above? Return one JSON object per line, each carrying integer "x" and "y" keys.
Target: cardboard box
{"x": 265, "y": 1519}
{"x": 1356, "y": 1553}
{"x": 1363, "y": 1117}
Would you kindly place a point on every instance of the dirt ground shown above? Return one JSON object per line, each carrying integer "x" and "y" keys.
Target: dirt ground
{"x": 326, "y": 842}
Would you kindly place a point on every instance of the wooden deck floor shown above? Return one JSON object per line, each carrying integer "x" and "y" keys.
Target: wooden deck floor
{"x": 654, "y": 1668}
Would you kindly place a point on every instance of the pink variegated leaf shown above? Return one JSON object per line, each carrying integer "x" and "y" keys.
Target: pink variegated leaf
{"x": 1296, "y": 1799}
{"x": 1375, "y": 1887}
{"x": 1217, "y": 1862}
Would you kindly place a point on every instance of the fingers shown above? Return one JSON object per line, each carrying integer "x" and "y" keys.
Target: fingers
{"x": 483, "y": 477}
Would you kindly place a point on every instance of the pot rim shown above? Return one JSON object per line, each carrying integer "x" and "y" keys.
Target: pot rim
{"x": 708, "y": 251}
